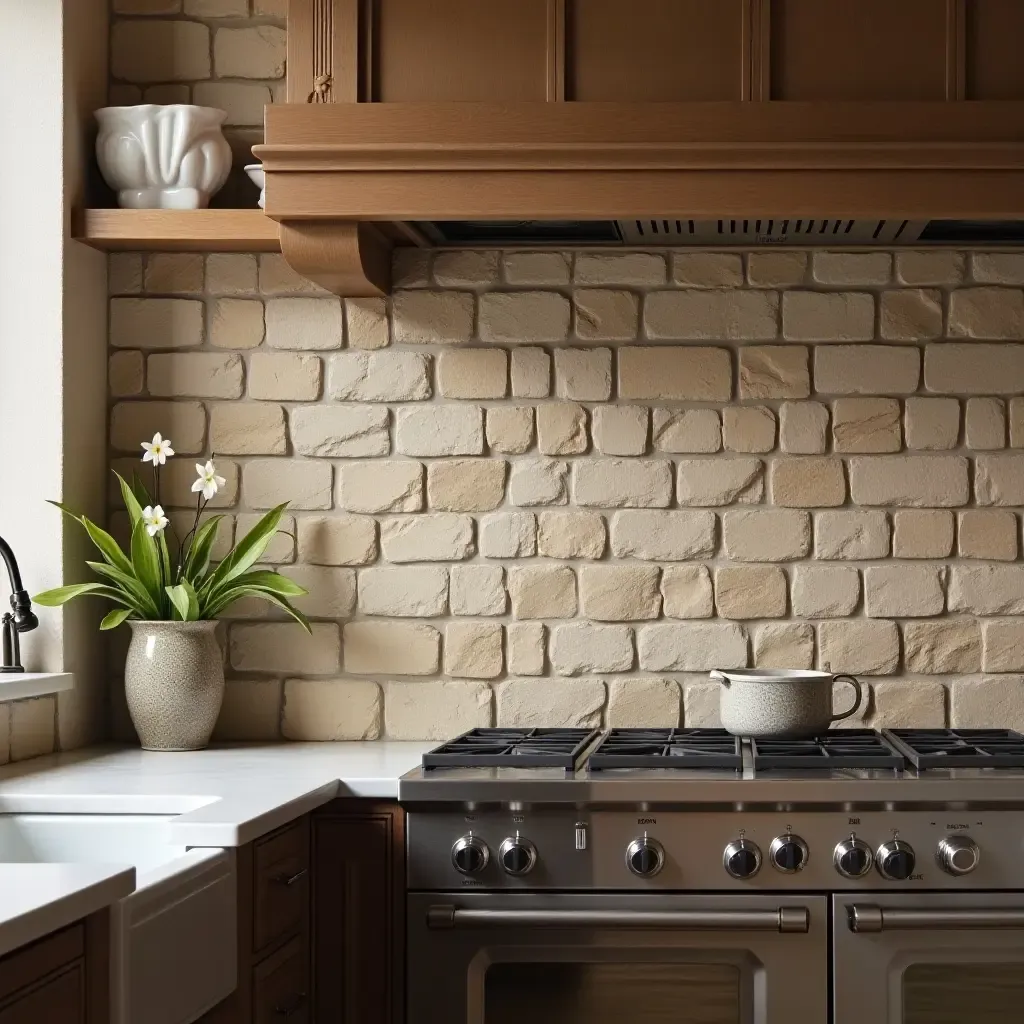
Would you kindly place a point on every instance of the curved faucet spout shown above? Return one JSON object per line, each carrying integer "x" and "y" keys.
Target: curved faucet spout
{"x": 21, "y": 604}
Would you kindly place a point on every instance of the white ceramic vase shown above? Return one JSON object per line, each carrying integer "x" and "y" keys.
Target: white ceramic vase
{"x": 172, "y": 157}
{"x": 259, "y": 178}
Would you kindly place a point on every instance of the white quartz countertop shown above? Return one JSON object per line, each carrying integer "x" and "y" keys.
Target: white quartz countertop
{"x": 37, "y": 899}
{"x": 224, "y": 796}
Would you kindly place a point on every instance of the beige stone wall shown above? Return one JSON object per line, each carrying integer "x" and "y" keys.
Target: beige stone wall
{"x": 558, "y": 488}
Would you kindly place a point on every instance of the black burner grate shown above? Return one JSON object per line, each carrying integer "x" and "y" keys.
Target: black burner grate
{"x": 843, "y": 748}
{"x": 959, "y": 748}
{"x": 512, "y": 748}
{"x": 666, "y": 748}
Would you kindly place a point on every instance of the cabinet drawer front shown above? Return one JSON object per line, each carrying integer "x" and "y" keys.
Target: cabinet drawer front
{"x": 281, "y": 904}
{"x": 59, "y": 1001}
{"x": 281, "y": 987}
{"x": 26, "y": 966}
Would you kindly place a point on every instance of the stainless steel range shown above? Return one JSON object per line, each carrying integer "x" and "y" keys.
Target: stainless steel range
{"x": 685, "y": 876}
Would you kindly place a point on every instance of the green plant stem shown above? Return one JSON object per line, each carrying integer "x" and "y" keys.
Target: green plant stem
{"x": 186, "y": 544}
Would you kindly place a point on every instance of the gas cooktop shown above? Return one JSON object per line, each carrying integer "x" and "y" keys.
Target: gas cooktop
{"x": 513, "y": 748}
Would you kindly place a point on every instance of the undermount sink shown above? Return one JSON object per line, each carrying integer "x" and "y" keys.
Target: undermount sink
{"x": 173, "y": 939}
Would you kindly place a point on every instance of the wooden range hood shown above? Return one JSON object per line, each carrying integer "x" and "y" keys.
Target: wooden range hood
{"x": 408, "y": 115}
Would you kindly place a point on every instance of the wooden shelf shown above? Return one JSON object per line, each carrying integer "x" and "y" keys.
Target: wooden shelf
{"x": 178, "y": 230}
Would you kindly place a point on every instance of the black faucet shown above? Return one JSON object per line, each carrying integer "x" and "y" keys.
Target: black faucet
{"x": 20, "y": 619}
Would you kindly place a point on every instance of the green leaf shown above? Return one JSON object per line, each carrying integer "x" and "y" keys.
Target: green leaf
{"x": 246, "y": 552}
{"x": 233, "y": 594}
{"x": 272, "y": 581}
{"x": 183, "y": 597}
{"x": 140, "y": 490}
{"x": 61, "y": 595}
{"x": 131, "y": 586}
{"x": 107, "y": 546}
{"x": 165, "y": 556}
{"x": 146, "y": 563}
{"x": 198, "y": 561}
{"x": 131, "y": 502}
{"x": 114, "y": 619}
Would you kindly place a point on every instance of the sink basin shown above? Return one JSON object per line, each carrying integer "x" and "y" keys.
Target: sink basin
{"x": 174, "y": 938}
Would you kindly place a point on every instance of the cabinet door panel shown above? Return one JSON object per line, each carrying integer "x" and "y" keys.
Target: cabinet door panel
{"x": 59, "y": 1001}
{"x": 993, "y": 36}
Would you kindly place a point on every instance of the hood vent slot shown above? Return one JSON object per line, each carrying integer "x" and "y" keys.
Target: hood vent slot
{"x": 760, "y": 231}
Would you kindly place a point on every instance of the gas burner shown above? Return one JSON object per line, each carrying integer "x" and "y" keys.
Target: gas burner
{"x": 959, "y": 748}
{"x": 844, "y": 748}
{"x": 667, "y": 748}
{"x": 512, "y": 748}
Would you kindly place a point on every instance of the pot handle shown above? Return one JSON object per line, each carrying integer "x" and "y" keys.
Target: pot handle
{"x": 718, "y": 676}
{"x": 855, "y": 683}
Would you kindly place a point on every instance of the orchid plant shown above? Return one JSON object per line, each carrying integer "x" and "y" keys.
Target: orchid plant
{"x": 147, "y": 583}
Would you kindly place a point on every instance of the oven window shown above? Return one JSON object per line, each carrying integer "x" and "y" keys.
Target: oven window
{"x": 610, "y": 993}
{"x": 963, "y": 993}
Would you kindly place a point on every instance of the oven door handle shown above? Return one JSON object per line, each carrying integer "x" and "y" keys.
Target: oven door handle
{"x": 781, "y": 919}
{"x": 864, "y": 917}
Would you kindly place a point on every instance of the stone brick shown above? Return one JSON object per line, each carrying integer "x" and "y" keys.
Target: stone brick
{"x": 473, "y": 650}
{"x": 583, "y": 375}
{"x": 844, "y": 268}
{"x": 828, "y": 316}
{"x": 712, "y": 315}
{"x": 124, "y": 276}
{"x": 675, "y": 647}
{"x": 663, "y": 536}
{"x": 427, "y": 538}
{"x": 32, "y": 728}
{"x": 525, "y": 648}
{"x": 156, "y": 323}
{"x": 126, "y": 374}
{"x": 766, "y": 535}
{"x": 147, "y": 6}
{"x": 1003, "y": 646}
{"x": 414, "y": 591}
{"x": 619, "y": 593}
{"x": 237, "y": 323}
{"x": 195, "y": 375}
{"x": 776, "y": 269}
{"x": 973, "y": 369}
{"x": 987, "y": 589}
{"x": 622, "y": 483}
{"x": 392, "y": 648}
{"x": 284, "y": 376}
{"x": 466, "y": 485}
{"x": 643, "y": 703}
{"x": 536, "y": 268}
{"x": 510, "y": 429}
{"x": 304, "y": 323}
{"x": 251, "y": 711}
{"x": 808, "y": 483}
{"x": 439, "y": 430}
{"x": 988, "y": 534}
{"x": 620, "y": 429}
{"x": 175, "y": 273}
{"x": 332, "y": 591}
{"x": 750, "y": 592}
{"x": 866, "y": 425}
{"x": 603, "y": 315}
{"x": 935, "y": 481}
{"x": 932, "y": 423}
{"x": 748, "y": 428}
{"x": 930, "y": 266}
{"x": 159, "y": 51}
{"x": 922, "y": 533}
{"x": 999, "y": 479}
{"x": 720, "y": 481}
{"x": 508, "y": 535}
{"x": 911, "y": 315}
{"x": 366, "y": 323}
{"x": 538, "y": 482}
{"x": 243, "y": 102}
{"x": 707, "y": 269}
{"x": 432, "y": 318}
{"x": 803, "y": 427}
{"x": 282, "y": 647}
{"x": 410, "y": 267}
{"x": 825, "y": 591}
{"x": 774, "y": 371}
{"x": 531, "y": 373}
{"x": 869, "y": 647}
{"x": 256, "y": 52}
{"x": 349, "y": 431}
{"x": 988, "y": 313}
{"x": 331, "y": 710}
{"x": 550, "y": 703}
{"x": 784, "y": 645}
{"x": 524, "y": 317}
{"x": 337, "y": 540}
{"x": 438, "y": 710}
{"x": 473, "y": 373}
{"x": 903, "y": 591}
{"x": 580, "y": 648}
{"x": 571, "y": 534}
{"x": 463, "y": 269}
{"x": 229, "y": 273}
{"x": 687, "y": 592}
{"x": 686, "y": 430}
{"x": 992, "y": 702}
{"x": 630, "y": 268}
{"x": 561, "y": 428}
{"x": 542, "y": 591}
{"x": 381, "y": 486}
{"x": 378, "y": 377}
{"x": 478, "y": 590}
{"x": 903, "y": 704}
{"x": 701, "y": 705}
{"x": 985, "y": 423}
{"x": 305, "y": 485}
{"x": 997, "y": 267}
{"x": 678, "y": 373}
{"x": 176, "y": 479}
{"x": 182, "y": 423}
{"x": 278, "y": 278}
{"x": 866, "y": 369}
{"x": 851, "y": 535}
{"x": 1017, "y": 422}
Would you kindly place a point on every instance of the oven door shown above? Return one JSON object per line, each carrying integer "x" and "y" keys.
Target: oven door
{"x": 510, "y": 958}
{"x": 929, "y": 958}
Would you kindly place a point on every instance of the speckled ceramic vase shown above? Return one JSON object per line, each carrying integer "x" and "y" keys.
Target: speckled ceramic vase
{"x": 174, "y": 683}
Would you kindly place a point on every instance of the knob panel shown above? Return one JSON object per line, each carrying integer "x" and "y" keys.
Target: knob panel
{"x": 517, "y": 855}
{"x": 788, "y": 854}
{"x": 470, "y": 855}
{"x": 742, "y": 858}
{"x": 645, "y": 857}
{"x": 895, "y": 860}
{"x": 853, "y": 858}
{"x": 958, "y": 855}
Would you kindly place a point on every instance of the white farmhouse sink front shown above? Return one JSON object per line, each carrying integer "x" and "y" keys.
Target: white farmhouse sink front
{"x": 174, "y": 938}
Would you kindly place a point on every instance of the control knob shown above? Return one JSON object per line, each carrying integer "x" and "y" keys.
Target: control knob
{"x": 958, "y": 855}
{"x": 853, "y": 857}
{"x": 517, "y": 855}
{"x": 895, "y": 860}
{"x": 470, "y": 854}
{"x": 742, "y": 858}
{"x": 645, "y": 857}
{"x": 788, "y": 854}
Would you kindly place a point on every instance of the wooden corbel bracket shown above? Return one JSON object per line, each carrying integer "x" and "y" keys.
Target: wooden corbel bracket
{"x": 345, "y": 257}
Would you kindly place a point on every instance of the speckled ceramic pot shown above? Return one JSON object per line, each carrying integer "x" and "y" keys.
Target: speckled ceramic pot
{"x": 792, "y": 703}
{"x": 174, "y": 683}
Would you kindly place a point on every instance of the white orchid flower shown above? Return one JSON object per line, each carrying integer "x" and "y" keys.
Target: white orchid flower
{"x": 209, "y": 483}
{"x": 154, "y": 518}
{"x": 158, "y": 451}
